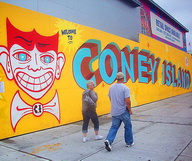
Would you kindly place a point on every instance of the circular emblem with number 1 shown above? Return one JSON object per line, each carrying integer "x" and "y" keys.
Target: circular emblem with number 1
{"x": 38, "y": 109}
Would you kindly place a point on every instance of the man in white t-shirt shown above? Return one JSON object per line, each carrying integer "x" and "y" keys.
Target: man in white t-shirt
{"x": 119, "y": 95}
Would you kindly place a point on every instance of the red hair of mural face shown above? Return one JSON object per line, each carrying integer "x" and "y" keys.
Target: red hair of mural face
{"x": 32, "y": 60}
{"x": 29, "y": 40}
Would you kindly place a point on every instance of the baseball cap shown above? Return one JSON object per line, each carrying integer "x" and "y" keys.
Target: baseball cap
{"x": 119, "y": 75}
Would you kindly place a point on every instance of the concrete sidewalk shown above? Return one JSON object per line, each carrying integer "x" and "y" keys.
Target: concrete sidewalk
{"x": 162, "y": 132}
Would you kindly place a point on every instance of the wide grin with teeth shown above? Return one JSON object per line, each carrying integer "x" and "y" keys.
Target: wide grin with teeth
{"x": 35, "y": 84}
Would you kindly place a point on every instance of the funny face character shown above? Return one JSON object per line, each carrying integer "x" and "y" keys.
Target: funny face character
{"x": 32, "y": 60}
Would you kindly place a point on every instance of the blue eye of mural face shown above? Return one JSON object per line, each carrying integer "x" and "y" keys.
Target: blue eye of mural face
{"x": 47, "y": 59}
{"x": 22, "y": 57}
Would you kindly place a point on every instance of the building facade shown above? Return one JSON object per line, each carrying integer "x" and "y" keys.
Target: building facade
{"x": 49, "y": 49}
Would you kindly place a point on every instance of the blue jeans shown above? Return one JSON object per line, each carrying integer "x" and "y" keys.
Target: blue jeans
{"x": 116, "y": 123}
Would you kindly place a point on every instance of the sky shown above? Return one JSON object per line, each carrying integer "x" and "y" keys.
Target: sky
{"x": 181, "y": 10}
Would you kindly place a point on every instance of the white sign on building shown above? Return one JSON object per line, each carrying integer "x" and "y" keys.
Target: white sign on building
{"x": 166, "y": 31}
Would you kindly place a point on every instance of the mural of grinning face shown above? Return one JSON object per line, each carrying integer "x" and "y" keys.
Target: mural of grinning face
{"x": 33, "y": 71}
{"x": 34, "y": 60}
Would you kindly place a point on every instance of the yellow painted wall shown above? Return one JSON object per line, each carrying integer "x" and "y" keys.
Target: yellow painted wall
{"x": 65, "y": 83}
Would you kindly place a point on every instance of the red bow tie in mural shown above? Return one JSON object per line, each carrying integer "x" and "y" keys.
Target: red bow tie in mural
{"x": 19, "y": 109}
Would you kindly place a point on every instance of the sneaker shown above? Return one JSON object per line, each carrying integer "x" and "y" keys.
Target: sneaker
{"x": 98, "y": 137}
{"x": 107, "y": 145}
{"x": 84, "y": 139}
{"x": 129, "y": 145}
